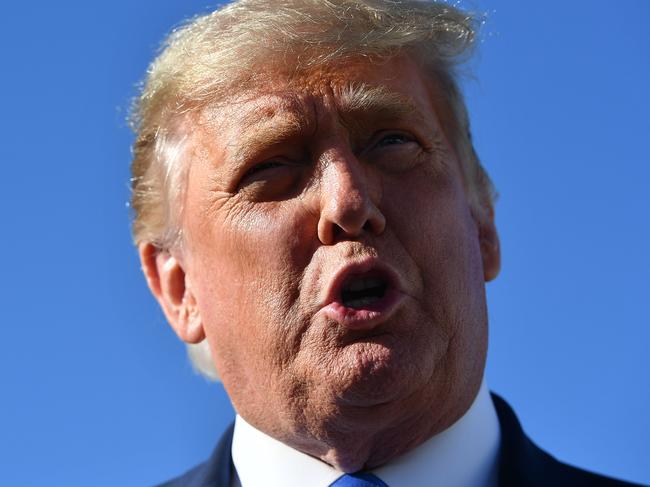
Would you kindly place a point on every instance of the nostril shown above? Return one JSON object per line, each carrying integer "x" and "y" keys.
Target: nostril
{"x": 376, "y": 222}
{"x": 337, "y": 232}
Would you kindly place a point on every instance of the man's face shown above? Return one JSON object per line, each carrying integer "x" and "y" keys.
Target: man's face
{"x": 335, "y": 262}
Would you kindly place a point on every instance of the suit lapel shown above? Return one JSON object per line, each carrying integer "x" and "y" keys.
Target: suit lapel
{"x": 217, "y": 471}
{"x": 219, "y": 467}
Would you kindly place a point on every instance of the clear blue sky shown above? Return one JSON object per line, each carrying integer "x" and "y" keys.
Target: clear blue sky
{"x": 96, "y": 390}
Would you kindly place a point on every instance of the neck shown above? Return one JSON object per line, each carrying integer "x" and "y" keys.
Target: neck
{"x": 463, "y": 454}
{"x": 370, "y": 449}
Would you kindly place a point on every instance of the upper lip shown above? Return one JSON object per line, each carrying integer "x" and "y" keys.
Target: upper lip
{"x": 365, "y": 266}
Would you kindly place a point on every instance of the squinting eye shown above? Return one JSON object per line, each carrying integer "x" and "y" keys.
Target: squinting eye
{"x": 263, "y": 167}
{"x": 272, "y": 179}
{"x": 393, "y": 151}
{"x": 394, "y": 139}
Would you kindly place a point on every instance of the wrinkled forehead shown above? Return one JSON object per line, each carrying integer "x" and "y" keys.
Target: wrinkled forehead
{"x": 356, "y": 92}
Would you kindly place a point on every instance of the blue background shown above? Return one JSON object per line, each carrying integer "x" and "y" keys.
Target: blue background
{"x": 96, "y": 390}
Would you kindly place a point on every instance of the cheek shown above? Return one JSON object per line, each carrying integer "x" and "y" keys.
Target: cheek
{"x": 249, "y": 251}
{"x": 442, "y": 240}
{"x": 268, "y": 248}
{"x": 250, "y": 266}
{"x": 428, "y": 211}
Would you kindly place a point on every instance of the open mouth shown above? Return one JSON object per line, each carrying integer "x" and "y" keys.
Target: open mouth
{"x": 361, "y": 291}
{"x": 363, "y": 295}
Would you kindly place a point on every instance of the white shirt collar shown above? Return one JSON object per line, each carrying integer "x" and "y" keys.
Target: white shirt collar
{"x": 464, "y": 455}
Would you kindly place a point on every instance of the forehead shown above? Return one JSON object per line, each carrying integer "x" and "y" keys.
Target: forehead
{"x": 355, "y": 90}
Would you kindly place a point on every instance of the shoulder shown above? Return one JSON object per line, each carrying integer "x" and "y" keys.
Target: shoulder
{"x": 216, "y": 471}
{"x": 524, "y": 464}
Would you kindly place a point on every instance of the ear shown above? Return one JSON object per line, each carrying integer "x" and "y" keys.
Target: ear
{"x": 490, "y": 246}
{"x": 169, "y": 284}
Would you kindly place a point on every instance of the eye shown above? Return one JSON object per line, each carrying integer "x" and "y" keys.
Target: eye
{"x": 394, "y": 139}
{"x": 273, "y": 179}
{"x": 393, "y": 150}
{"x": 264, "y": 166}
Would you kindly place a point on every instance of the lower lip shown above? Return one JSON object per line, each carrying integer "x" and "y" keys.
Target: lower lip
{"x": 368, "y": 316}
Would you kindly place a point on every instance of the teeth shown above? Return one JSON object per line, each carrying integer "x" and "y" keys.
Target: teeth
{"x": 364, "y": 283}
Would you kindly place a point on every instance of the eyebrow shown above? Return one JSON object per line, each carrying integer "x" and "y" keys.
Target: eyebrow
{"x": 270, "y": 124}
{"x": 361, "y": 97}
{"x": 289, "y": 116}
{"x": 361, "y": 104}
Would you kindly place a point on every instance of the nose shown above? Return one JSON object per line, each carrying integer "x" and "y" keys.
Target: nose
{"x": 348, "y": 200}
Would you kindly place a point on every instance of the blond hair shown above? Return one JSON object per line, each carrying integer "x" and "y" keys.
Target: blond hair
{"x": 219, "y": 55}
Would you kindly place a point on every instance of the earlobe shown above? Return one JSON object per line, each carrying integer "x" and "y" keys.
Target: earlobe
{"x": 490, "y": 247}
{"x": 170, "y": 285}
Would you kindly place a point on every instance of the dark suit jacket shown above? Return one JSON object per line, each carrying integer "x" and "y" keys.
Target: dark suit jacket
{"x": 521, "y": 462}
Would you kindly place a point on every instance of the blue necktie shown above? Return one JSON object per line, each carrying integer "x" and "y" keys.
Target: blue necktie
{"x": 358, "y": 480}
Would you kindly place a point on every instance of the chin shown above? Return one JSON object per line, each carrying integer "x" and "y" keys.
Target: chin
{"x": 377, "y": 387}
